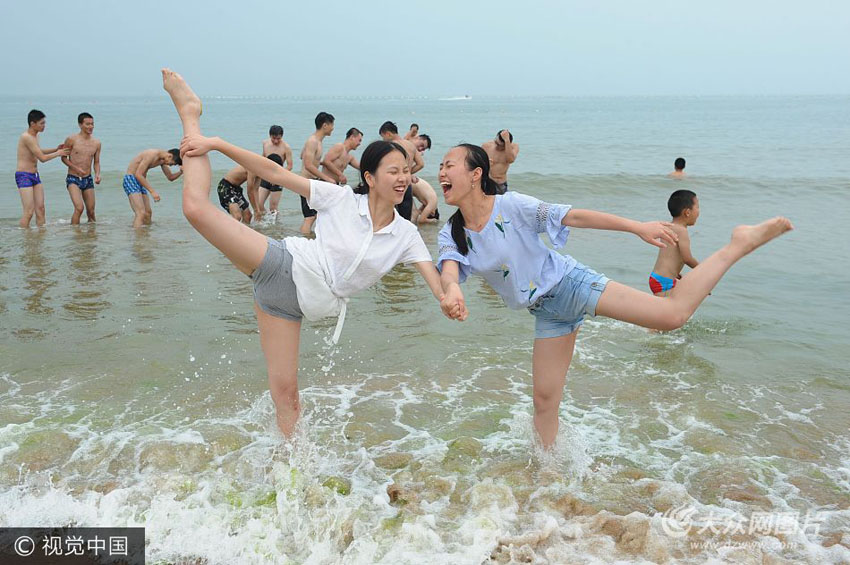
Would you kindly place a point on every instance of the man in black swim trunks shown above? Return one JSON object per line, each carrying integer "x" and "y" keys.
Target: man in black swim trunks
{"x": 274, "y": 145}
{"x": 311, "y": 158}
{"x": 230, "y": 193}
{"x": 502, "y": 152}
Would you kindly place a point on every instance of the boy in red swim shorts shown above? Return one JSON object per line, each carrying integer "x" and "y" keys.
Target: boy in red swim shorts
{"x": 684, "y": 207}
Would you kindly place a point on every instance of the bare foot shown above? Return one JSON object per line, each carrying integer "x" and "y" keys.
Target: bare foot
{"x": 187, "y": 102}
{"x": 749, "y": 238}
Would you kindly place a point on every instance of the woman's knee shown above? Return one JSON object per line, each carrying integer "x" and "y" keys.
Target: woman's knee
{"x": 546, "y": 400}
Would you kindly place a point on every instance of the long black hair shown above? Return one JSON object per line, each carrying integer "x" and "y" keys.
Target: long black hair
{"x": 476, "y": 158}
{"x": 371, "y": 158}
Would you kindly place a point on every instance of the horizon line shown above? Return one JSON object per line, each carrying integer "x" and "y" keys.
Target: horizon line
{"x": 444, "y": 97}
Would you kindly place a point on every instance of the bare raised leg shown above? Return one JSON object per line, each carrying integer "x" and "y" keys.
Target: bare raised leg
{"x": 550, "y": 362}
{"x": 186, "y": 102}
{"x": 279, "y": 339}
{"x": 243, "y": 246}
{"x": 629, "y": 305}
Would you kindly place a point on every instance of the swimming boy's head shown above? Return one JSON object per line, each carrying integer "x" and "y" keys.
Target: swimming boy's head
{"x": 324, "y": 122}
{"x": 276, "y": 134}
{"x": 679, "y": 164}
{"x": 388, "y": 130}
{"x": 384, "y": 171}
{"x": 36, "y": 119}
{"x": 414, "y": 129}
{"x": 684, "y": 204}
{"x": 86, "y": 122}
{"x": 175, "y": 157}
{"x": 276, "y": 158}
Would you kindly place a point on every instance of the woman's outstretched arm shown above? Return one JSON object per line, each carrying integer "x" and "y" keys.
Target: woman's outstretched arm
{"x": 262, "y": 167}
{"x": 659, "y": 234}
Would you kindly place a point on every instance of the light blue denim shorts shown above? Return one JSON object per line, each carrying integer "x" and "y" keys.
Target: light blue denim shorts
{"x": 561, "y": 310}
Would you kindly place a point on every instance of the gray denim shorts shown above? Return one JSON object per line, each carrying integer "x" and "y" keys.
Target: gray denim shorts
{"x": 562, "y": 310}
{"x": 274, "y": 289}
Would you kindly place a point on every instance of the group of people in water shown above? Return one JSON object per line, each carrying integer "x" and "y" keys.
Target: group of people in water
{"x": 81, "y": 155}
{"x": 363, "y": 231}
{"x": 80, "y": 152}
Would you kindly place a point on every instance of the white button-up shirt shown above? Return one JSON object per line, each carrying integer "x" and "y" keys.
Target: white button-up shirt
{"x": 347, "y": 255}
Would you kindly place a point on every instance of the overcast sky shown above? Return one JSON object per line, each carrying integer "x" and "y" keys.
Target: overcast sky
{"x": 353, "y": 48}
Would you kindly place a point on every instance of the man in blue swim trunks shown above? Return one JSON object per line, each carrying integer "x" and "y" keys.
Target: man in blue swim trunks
{"x": 137, "y": 187}
{"x": 26, "y": 171}
{"x": 85, "y": 150}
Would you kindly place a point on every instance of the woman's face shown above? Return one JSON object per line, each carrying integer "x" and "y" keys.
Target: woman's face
{"x": 455, "y": 180}
{"x": 391, "y": 178}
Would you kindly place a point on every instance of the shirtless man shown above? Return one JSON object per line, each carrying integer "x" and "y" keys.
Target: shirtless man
{"x": 136, "y": 185}
{"x": 85, "y": 149}
{"x": 502, "y": 152}
{"x": 274, "y": 145}
{"x": 412, "y": 133}
{"x": 389, "y": 132}
{"x": 422, "y": 142}
{"x": 427, "y": 212}
{"x": 339, "y": 156}
{"x": 311, "y": 157}
{"x": 230, "y": 193}
{"x": 26, "y": 171}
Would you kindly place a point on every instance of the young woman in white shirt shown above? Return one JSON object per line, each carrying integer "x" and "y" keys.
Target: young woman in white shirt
{"x": 497, "y": 237}
{"x": 359, "y": 238}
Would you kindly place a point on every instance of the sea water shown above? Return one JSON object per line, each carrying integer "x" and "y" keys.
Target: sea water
{"x": 133, "y": 390}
